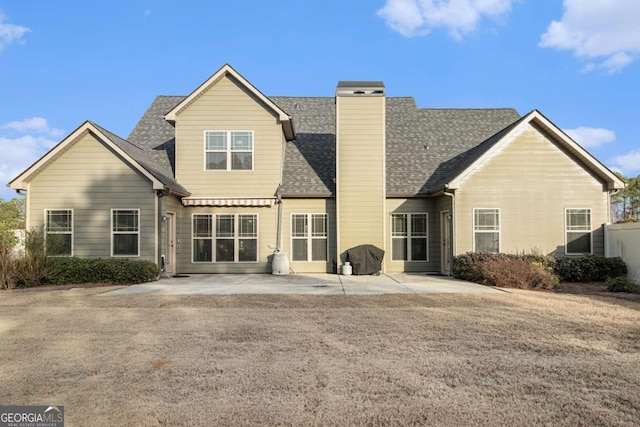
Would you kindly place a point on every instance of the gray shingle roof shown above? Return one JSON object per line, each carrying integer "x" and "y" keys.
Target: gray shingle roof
{"x": 155, "y": 135}
{"x": 426, "y": 148}
{"x": 310, "y": 160}
{"x": 144, "y": 160}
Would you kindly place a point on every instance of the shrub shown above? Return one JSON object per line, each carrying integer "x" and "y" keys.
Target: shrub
{"x": 7, "y": 264}
{"x": 32, "y": 269}
{"x": 589, "y": 268}
{"x": 618, "y": 284}
{"x": 122, "y": 271}
{"x": 469, "y": 266}
{"x": 517, "y": 272}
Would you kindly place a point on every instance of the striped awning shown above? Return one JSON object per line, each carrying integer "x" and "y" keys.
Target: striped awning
{"x": 226, "y": 201}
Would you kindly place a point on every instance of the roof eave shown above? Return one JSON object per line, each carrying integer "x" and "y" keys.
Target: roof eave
{"x": 310, "y": 195}
{"x": 18, "y": 183}
{"x": 226, "y": 69}
{"x": 613, "y": 182}
{"x": 406, "y": 195}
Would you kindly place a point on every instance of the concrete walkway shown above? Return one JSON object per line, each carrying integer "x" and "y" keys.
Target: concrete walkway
{"x": 312, "y": 284}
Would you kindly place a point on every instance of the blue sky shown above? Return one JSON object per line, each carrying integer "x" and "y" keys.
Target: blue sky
{"x": 64, "y": 62}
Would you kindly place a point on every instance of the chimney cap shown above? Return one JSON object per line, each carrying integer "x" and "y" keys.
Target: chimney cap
{"x": 360, "y": 88}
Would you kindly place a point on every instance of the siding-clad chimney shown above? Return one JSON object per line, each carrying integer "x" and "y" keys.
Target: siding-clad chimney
{"x": 360, "y": 168}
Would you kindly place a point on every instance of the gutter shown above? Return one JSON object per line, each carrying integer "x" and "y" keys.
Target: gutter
{"x": 306, "y": 195}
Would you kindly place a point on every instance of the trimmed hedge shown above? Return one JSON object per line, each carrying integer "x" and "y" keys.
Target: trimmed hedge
{"x": 64, "y": 271}
{"x": 589, "y": 268}
{"x": 483, "y": 267}
{"x": 618, "y": 284}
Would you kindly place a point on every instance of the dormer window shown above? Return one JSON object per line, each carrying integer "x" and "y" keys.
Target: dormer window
{"x": 228, "y": 150}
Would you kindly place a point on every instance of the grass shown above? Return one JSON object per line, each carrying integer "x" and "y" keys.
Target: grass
{"x": 520, "y": 358}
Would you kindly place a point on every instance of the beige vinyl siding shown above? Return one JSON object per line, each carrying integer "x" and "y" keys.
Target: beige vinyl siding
{"x": 531, "y": 180}
{"x": 92, "y": 180}
{"x": 417, "y": 205}
{"x": 360, "y": 171}
{"x": 310, "y": 206}
{"x": 267, "y": 224}
{"x": 225, "y": 106}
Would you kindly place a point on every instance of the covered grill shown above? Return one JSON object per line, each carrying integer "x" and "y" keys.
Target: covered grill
{"x": 365, "y": 259}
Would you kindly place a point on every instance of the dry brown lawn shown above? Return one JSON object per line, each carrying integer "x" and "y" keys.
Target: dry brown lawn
{"x": 523, "y": 358}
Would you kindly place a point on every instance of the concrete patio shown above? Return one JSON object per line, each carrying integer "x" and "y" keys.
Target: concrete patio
{"x": 312, "y": 284}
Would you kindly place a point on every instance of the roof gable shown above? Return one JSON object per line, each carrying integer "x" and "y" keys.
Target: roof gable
{"x": 285, "y": 119}
{"x": 129, "y": 152}
{"x": 491, "y": 146}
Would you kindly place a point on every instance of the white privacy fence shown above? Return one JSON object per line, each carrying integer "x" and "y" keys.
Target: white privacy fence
{"x": 623, "y": 240}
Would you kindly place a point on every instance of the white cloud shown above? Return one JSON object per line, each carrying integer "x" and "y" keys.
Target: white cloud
{"x": 605, "y": 32}
{"x": 629, "y": 162}
{"x": 10, "y": 33}
{"x": 591, "y": 137}
{"x": 460, "y": 17}
{"x": 22, "y": 143}
{"x": 19, "y": 153}
{"x": 36, "y": 124}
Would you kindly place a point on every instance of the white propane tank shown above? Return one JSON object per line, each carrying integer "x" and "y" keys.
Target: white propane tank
{"x": 347, "y": 269}
{"x": 280, "y": 264}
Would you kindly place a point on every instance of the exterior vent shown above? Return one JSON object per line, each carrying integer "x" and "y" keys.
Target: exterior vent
{"x": 360, "y": 88}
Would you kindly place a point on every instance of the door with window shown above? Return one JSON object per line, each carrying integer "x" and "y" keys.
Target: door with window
{"x": 445, "y": 233}
{"x": 170, "y": 246}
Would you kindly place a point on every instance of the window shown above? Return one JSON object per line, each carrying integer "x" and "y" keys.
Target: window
{"x": 486, "y": 230}
{"x": 125, "y": 232}
{"x": 59, "y": 232}
{"x": 409, "y": 237}
{"x": 202, "y": 238}
{"x": 578, "y": 231}
{"x": 234, "y": 238}
{"x": 228, "y": 150}
{"x": 309, "y": 237}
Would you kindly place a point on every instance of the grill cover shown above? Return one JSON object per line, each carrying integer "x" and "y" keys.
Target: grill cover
{"x": 365, "y": 259}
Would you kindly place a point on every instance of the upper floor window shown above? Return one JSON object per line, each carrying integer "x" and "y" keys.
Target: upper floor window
{"x": 228, "y": 150}
{"x": 578, "y": 231}
{"x": 486, "y": 230}
{"x": 125, "y": 232}
{"x": 59, "y": 232}
{"x": 409, "y": 237}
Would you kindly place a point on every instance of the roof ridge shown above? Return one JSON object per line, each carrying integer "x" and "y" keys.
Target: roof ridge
{"x": 110, "y": 134}
{"x": 464, "y": 108}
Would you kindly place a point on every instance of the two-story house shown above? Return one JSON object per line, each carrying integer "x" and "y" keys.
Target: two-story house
{"x": 216, "y": 181}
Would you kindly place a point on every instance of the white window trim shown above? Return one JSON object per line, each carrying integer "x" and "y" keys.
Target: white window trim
{"x": 408, "y": 236}
{"x": 309, "y": 237}
{"x": 193, "y": 238}
{"x": 229, "y": 151}
{"x": 590, "y": 231}
{"x": 474, "y": 231}
{"x": 236, "y": 238}
{"x": 124, "y": 232}
{"x": 72, "y": 232}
